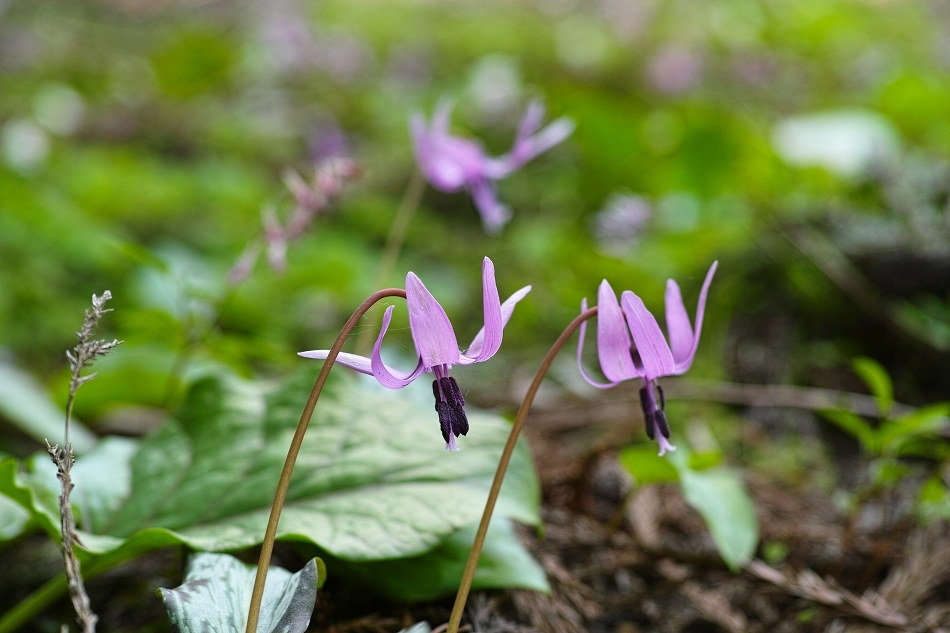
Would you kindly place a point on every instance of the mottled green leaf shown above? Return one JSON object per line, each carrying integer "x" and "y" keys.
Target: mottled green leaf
{"x": 372, "y": 482}
{"x": 216, "y": 596}
{"x": 504, "y": 563}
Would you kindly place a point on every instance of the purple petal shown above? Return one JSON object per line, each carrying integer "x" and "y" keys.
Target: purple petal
{"x": 507, "y": 309}
{"x": 527, "y": 148}
{"x": 441, "y": 117}
{"x": 580, "y": 354}
{"x": 431, "y": 329}
{"x": 683, "y": 365}
{"x": 386, "y": 376}
{"x": 354, "y": 362}
{"x": 531, "y": 121}
{"x": 494, "y": 326}
{"x": 613, "y": 342}
{"x": 678, "y": 327}
{"x": 655, "y": 354}
{"x": 494, "y": 214}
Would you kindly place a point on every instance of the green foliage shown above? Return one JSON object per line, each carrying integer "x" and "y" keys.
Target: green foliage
{"x": 894, "y": 436}
{"x": 13, "y": 519}
{"x": 193, "y": 62}
{"x": 718, "y": 494}
{"x": 503, "y": 563}
{"x": 216, "y": 595}
{"x": 878, "y": 381}
{"x": 361, "y": 491}
{"x": 27, "y": 405}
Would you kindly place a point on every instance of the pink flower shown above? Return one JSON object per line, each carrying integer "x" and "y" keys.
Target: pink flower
{"x": 649, "y": 357}
{"x": 437, "y": 348}
{"x": 451, "y": 163}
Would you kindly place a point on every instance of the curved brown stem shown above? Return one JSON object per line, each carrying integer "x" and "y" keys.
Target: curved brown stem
{"x": 469, "y": 574}
{"x": 267, "y": 547}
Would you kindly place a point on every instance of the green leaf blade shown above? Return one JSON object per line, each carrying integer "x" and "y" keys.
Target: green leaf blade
{"x": 720, "y": 496}
{"x": 216, "y": 596}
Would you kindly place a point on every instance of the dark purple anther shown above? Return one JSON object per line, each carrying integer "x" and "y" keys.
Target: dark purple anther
{"x": 450, "y": 405}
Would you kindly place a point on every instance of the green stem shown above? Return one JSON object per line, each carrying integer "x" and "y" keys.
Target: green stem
{"x": 469, "y": 574}
{"x": 267, "y": 547}
{"x": 394, "y": 241}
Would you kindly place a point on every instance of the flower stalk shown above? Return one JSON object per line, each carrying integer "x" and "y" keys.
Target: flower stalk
{"x": 270, "y": 534}
{"x": 469, "y": 574}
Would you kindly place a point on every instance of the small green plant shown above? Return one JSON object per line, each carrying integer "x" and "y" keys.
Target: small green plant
{"x": 887, "y": 444}
{"x": 716, "y": 492}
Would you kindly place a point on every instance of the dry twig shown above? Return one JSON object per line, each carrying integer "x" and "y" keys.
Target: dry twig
{"x": 83, "y": 355}
{"x": 807, "y": 584}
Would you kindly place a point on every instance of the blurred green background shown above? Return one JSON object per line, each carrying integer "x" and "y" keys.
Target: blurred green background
{"x": 802, "y": 143}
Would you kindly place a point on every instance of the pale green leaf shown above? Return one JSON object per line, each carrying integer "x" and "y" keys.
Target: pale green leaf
{"x": 13, "y": 518}
{"x": 26, "y": 404}
{"x": 216, "y": 596}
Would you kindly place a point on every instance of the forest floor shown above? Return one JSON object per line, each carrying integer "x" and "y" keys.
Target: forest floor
{"x": 620, "y": 559}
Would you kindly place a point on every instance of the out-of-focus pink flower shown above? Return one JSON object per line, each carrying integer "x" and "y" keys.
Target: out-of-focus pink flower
{"x": 619, "y": 224}
{"x": 674, "y": 70}
{"x": 451, "y": 163}
{"x": 311, "y": 200}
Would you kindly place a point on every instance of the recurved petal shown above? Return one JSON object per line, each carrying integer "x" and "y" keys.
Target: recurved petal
{"x": 507, "y": 309}
{"x": 654, "y": 352}
{"x": 442, "y": 116}
{"x": 580, "y": 354}
{"x": 529, "y": 145}
{"x": 354, "y": 362}
{"x": 385, "y": 375}
{"x": 431, "y": 329}
{"x": 494, "y": 214}
{"x": 613, "y": 341}
{"x": 494, "y": 325}
{"x": 554, "y": 133}
{"x": 683, "y": 365}
{"x": 678, "y": 327}
{"x": 531, "y": 121}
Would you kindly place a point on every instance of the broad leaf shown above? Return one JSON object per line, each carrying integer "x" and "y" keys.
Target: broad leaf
{"x": 504, "y": 563}
{"x": 372, "y": 482}
{"x": 13, "y": 518}
{"x": 720, "y": 496}
{"x": 646, "y": 466}
{"x": 216, "y": 596}
{"x": 26, "y": 404}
